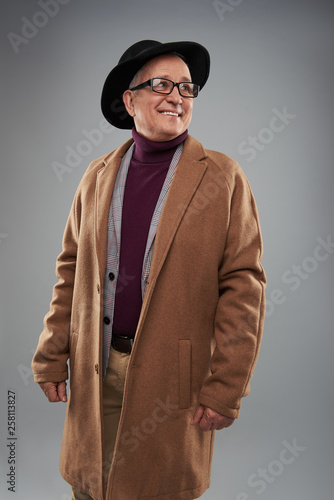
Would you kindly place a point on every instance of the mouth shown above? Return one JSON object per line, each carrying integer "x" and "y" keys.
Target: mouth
{"x": 169, "y": 113}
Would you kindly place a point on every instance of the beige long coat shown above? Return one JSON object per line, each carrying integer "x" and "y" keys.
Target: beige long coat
{"x": 197, "y": 339}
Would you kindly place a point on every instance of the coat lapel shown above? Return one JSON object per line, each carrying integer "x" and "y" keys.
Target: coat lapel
{"x": 187, "y": 177}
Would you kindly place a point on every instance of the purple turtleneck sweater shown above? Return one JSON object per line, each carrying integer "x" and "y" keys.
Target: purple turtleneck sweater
{"x": 147, "y": 171}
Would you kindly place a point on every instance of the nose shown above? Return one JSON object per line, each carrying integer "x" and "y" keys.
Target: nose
{"x": 174, "y": 96}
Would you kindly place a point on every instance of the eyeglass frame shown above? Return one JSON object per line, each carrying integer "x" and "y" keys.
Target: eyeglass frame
{"x": 149, "y": 83}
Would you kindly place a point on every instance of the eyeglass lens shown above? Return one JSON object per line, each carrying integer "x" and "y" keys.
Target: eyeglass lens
{"x": 163, "y": 86}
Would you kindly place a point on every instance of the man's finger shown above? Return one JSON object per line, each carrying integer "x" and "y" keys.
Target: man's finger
{"x": 197, "y": 415}
{"x": 47, "y": 388}
{"x": 62, "y": 391}
{"x": 205, "y": 423}
{"x": 51, "y": 389}
{"x": 227, "y": 422}
{"x": 52, "y": 393}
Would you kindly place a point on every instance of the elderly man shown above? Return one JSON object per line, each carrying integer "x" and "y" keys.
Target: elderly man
{"x": 160, "y": 300}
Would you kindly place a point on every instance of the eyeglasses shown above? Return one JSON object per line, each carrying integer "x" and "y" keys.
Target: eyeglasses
{"x": 165, "y": 86}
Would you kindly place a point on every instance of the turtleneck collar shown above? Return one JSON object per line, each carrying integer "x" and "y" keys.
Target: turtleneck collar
{"x": 147, "y": 151}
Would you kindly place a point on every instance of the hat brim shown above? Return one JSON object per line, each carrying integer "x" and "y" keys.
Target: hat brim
{"x": 119, "y": 78}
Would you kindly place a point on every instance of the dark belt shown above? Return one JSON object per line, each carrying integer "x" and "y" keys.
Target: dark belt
{"x": 122, "y": 343}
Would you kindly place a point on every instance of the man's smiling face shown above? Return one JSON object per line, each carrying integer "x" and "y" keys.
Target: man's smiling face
{"x": 160, "y": 117}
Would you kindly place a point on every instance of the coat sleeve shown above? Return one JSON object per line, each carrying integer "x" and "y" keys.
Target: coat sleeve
{"x": 241, "y": 306}
{"x": 49, "y": 363}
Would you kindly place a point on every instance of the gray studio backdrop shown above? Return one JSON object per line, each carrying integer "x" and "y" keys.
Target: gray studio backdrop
{"x": 268, "y": 104}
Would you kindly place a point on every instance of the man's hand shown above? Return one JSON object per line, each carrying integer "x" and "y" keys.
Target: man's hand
{"x": 54, "y": 391}
{"x": 209, "y": 420}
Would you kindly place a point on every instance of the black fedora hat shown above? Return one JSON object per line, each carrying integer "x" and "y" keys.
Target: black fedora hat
{"x": 196, "y": 56}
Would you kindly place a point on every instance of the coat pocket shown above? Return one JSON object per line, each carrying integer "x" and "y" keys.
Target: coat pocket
{"x": 184, "y": 373}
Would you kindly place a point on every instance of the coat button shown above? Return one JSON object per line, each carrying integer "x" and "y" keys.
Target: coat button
{"x": 106, "y": 320}
{"x": 98, "y": 288}
{"x": 111, "y": 276}
{"x": 96, "y": 368}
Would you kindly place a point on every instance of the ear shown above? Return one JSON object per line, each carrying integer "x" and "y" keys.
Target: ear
{"x": 128, "y": 102}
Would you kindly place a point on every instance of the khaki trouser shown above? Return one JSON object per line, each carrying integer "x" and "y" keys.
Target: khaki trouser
{"x": 113, "y": 387}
